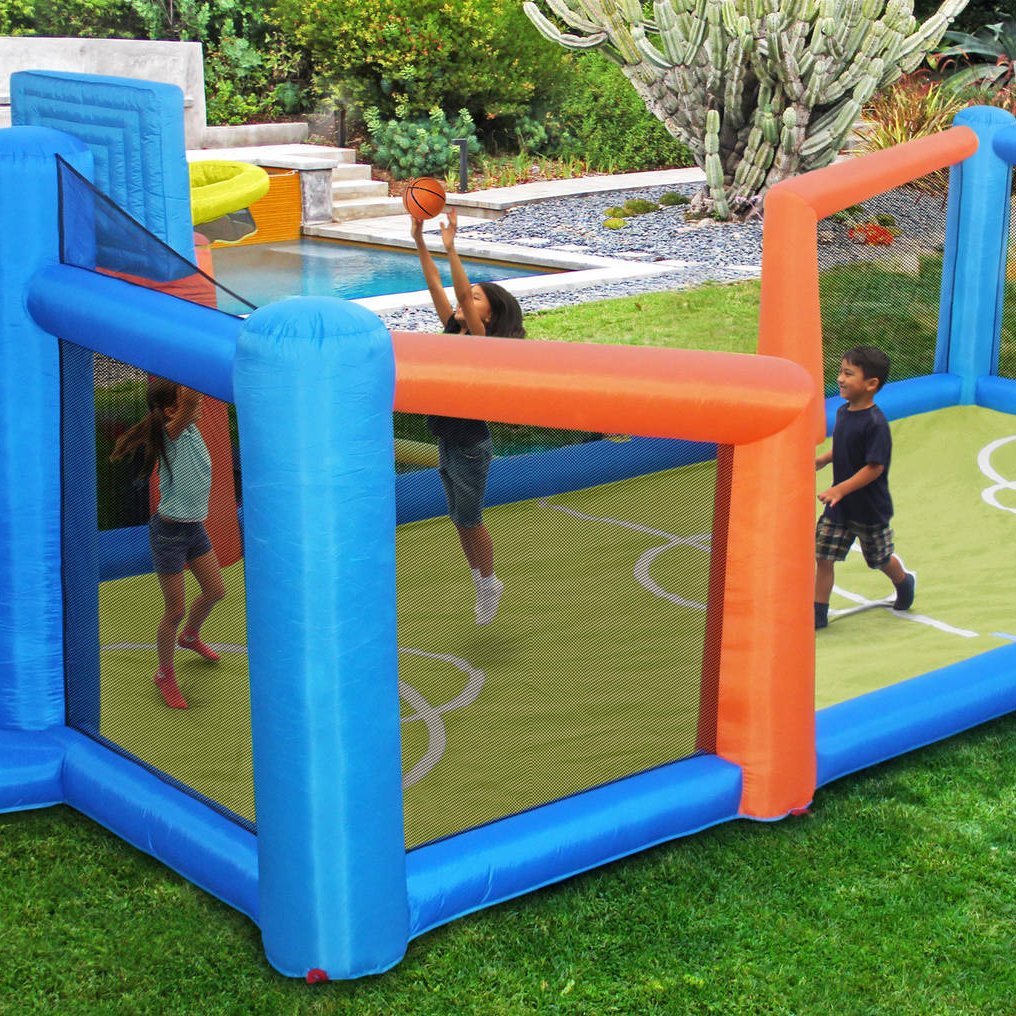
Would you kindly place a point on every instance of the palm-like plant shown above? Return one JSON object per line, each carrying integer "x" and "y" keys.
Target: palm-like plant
{"x": 997, "y": 43}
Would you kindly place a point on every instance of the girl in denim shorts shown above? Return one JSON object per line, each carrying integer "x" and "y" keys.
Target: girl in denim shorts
{"x": 170, "y": 439}
{"x": 464, "y": 446}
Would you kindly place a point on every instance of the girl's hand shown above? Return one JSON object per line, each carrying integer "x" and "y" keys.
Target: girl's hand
{"x": 416, "y": 230}
{"x": 448, "y": 228}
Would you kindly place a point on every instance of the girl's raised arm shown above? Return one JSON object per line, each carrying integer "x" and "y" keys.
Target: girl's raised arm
{"x": 463, "y": 289}
{"x": 431, "y": 274}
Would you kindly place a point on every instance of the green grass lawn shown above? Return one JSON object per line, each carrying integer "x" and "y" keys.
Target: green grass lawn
{"x": 894, "y": 897}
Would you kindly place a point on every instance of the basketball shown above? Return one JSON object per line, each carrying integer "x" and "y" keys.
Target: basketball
{"x": 424, "y": 198}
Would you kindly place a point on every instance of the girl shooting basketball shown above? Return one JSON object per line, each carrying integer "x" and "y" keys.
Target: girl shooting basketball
{"x": 464, "y": 446}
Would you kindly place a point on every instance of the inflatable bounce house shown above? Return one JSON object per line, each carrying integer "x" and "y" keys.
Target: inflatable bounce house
{"x": 365, "y": 762}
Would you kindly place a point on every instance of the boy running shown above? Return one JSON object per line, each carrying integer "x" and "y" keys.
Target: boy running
{"x": 858, "y": 504}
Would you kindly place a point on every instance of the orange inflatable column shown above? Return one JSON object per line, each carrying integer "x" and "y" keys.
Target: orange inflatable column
{"x": 766, "y": 713}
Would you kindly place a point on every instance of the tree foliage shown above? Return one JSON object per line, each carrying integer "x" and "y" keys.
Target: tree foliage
{"x": 481, "y": 55}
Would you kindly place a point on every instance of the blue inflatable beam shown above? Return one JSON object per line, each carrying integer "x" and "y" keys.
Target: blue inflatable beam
{"x": 314, "y": 382}
{"x": 891, "y": 721}
{"x": 908, "y": 398}
{"x": 1004, "y": 144}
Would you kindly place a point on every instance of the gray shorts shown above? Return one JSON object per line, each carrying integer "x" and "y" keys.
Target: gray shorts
{"x": 176, "y": 543}
{"x": 463, "y": 470}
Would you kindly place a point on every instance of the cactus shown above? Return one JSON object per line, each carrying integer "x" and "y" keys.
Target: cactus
{"x": 758, "y": 90}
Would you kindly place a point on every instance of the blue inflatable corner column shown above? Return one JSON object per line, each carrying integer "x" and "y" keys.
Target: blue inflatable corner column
{"x": 31, "y": 606}
{"x": 314, "y": 380}
{"x": 973, "y": 269}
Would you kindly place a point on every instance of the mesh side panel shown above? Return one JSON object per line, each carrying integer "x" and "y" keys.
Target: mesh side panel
{"x": 113, "y": 622}
{"x": 880, "y": 277}
{"x": 1007, "y": 342}
{"x": 596, "y": 665}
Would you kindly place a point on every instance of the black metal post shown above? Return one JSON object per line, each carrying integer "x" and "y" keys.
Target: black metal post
{"x": 463, "y": 144}
{"x": 342, "y": 126}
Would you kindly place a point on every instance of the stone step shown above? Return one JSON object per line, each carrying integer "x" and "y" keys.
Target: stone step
{"x": 347, "y": 171}
{"x": 347, "y": 190}
{"x": 366, "y": 208}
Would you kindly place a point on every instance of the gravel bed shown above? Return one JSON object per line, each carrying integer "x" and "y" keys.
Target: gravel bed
{"x": 711, "y": 251}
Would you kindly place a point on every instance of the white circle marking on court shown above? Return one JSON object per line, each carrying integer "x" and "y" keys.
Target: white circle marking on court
{"x": 700, "y": 541}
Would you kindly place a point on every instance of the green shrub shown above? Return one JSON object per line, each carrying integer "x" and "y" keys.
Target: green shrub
{"x": 673, "y": 198}
{"x": 605, "y": 123}
{"x": 615, "y": 223}
{"x": 78, "y": 19}
{"x": 639, "y": 206}
{"x": 482, "y": 55}
{"x": 420, "y": 147}
{"x": 616, "y": 212}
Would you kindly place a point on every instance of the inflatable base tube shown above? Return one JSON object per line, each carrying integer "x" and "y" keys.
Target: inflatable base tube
{"x": 908, "y": 398}
{"x": 516, "y": 855}
{"x": 30, "y": 766}
{"x": 420, "y": 495}
{"x": 891, "y": 721}
{"x": 152, "y": 815}
{"x": 996, "y": 393}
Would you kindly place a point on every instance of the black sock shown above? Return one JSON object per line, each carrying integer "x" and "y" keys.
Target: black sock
{"x": 822, "y": 612}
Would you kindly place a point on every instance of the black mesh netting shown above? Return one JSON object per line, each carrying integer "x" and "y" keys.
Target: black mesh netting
{"x": 96, "y": 234}
{"x": 1007, "y": 342}
{"x": 880, "y": 277}
{"x": 596, "y": 666}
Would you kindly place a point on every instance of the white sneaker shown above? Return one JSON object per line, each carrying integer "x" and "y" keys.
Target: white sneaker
{"x": 488, "y": 597}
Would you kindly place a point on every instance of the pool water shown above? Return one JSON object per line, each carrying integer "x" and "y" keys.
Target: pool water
{"x": 308, "y": 267}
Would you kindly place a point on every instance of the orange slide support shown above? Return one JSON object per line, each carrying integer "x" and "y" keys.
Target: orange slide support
{"x": 223, "y": 524}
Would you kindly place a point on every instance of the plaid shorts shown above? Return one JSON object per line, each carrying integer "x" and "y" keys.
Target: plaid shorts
{"x": 834, "y": 539}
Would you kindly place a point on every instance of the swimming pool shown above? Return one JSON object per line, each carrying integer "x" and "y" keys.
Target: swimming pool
{"x": 262, "y": 273}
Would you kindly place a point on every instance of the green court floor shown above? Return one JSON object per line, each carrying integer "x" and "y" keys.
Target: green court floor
{"x": 591, "y": 668}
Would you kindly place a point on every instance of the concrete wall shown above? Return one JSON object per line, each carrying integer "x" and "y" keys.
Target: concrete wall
{"x": 178, "y": 63}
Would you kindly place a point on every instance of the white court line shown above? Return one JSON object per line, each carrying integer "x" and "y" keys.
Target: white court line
{"x": 903, "y": 615}
{"x": 984, "y": 464}
{"x": 700, "y": 541}
{"x": 430, "y": 715}
{"x": 437, "y": 738}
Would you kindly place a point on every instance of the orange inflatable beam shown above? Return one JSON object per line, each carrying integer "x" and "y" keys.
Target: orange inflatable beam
{"x": 730, "y": 398}
{"x": 790, "y": 321}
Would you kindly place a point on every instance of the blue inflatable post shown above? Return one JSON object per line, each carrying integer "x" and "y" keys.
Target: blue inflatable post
{"x": 31, "y": 612}
{"x": 973, "y": 270}
{"x": 313, "y": 382}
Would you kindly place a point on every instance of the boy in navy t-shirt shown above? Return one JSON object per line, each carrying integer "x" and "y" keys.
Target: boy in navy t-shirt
{"x": 858, "y": 504}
